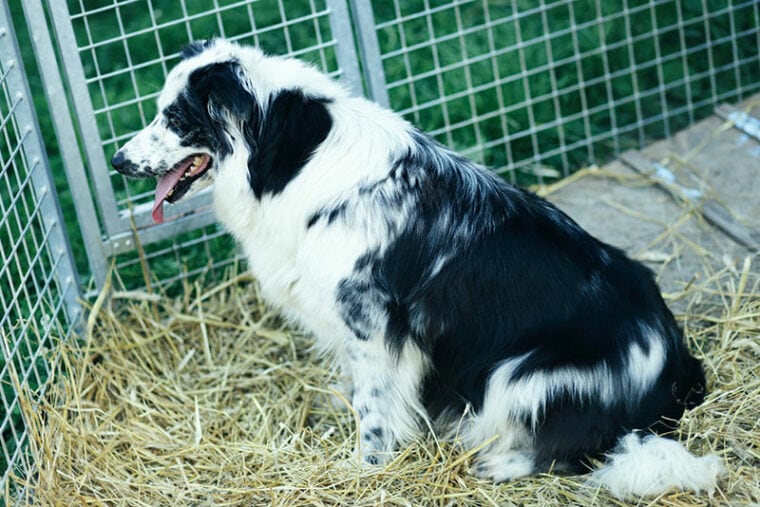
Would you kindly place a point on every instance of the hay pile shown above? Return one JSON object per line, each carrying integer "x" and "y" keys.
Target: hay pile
{"x": 207, "y": 399}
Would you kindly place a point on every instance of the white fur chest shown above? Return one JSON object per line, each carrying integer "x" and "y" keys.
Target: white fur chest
{"x": 298, "y": 267}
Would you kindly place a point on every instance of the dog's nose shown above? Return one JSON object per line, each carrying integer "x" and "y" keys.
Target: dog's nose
{"x": 119, "y": 160}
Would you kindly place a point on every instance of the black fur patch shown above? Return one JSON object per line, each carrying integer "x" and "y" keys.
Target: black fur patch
{"x": 280, "y": 143}
{"x": 330, "y": 214}
{"x": 294, "y": 126}
{"x": 359, "y": 294}
{"x": 195, "y": 48}
{"x": 356, "y": 299}
{"x": 197, "y": 116}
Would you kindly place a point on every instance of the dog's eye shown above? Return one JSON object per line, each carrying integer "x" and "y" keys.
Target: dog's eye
{"x": 173, "y": 120}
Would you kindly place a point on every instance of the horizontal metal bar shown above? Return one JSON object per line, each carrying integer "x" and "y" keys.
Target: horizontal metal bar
{"x": 544, "y": 7}
{"x": 175, "y": 56}
{"x": 125, "y": 242}
{"x": 656, "y": 62}
{"x": 182, "y": 21}
{"x": 99, "y": 10}
{"x": 576, "y": 87}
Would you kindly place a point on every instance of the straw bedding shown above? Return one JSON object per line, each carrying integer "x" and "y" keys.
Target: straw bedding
{"x": 209, "y": 399}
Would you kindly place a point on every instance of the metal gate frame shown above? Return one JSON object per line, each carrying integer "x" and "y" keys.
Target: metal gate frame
{"x": 107, "y": 230}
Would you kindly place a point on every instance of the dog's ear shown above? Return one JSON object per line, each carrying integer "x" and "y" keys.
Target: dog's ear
{"x": 293, "y": 127}
{"x": 195, "y": 48}
{"x": 217, "y": 100}
{"x": 220, "y": 87}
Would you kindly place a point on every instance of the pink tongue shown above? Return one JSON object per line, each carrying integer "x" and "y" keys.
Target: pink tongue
{"x": 165, "y": 185}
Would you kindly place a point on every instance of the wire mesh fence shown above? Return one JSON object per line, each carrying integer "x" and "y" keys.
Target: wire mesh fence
{"x": 124, "y": 50}
{"x": 128, "y": 47}
{"x": 533, "y": 89}
{"x": 38, "y": 284}
{"x": 541, "y": 88}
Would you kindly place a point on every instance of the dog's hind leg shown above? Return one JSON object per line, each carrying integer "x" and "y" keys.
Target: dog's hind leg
{"x": 508, "y": 456}
{"x": 504, "y": 466}
{"x": 499, "y": 427}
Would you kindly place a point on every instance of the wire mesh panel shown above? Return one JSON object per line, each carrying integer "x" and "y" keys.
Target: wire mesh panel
{"x": 38, "y": 284}
{"x": 532, "y": 89}
{"x": 126, "y": 55}
{"x": 542, "y": 88}
{"x": 120, "y": 53}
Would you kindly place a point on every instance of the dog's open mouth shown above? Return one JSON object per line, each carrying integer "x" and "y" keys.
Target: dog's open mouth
{"x": 175, "y": 184}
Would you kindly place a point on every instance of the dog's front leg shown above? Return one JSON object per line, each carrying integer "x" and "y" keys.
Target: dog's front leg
{"x": 386, "y": 396}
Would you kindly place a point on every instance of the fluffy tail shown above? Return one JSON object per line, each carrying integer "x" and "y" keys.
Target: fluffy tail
{"x": 650, "y": 465}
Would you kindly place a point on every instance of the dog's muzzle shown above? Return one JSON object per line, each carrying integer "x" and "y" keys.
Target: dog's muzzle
{"x": 122, "y": 164}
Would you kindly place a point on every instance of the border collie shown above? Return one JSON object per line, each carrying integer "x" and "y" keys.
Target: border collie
{"x": 441, "y": 292}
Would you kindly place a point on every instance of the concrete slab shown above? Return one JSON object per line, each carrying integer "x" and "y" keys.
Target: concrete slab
{"x": 627, "y": 209}
{"x": 726, "y": 159}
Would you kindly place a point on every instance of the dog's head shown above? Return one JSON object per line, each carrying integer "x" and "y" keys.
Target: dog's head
{"x": 222, "y": 97}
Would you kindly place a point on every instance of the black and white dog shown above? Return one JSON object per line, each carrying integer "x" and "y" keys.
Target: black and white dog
{"x": 441, "y": 292}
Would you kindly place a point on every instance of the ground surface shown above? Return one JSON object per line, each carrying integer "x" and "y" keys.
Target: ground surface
{"x": 207, "y": 399}
{"x": 628, "y": 209}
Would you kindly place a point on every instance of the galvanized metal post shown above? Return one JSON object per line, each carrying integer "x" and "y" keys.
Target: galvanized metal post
{"x": 68, "y": 144}
{"x": 369, "y": 51}
{"x": 42, "y": 179}
{"x": 345, "y": 50}
{"x": 72, "y": 64}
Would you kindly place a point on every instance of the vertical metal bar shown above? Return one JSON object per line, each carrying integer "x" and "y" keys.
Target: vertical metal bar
{"x": 42, "y": 179}
{"x": 735, "y": 51}
{"x": 415, "y": 109}
{"x": 709, "y": 46}
{"x": 687, "y": 84}
{"x": 555, "y": 89}
{"x": 526, "y": 84}
{"x": 72, "y": 65}
{"x": 500, "y": 101}
{"x": 369, "y": 51}
{"x": 661, "y": 84}
{"x": 439, "y": 81}
{"x": 345, "y": 49}
{"x": 285, "y": 29}
{"x": 634, "y": 76}
{"x": 480, "y": 154}
{"x": 67, "y": 140}
{"x": 582, "y": 87}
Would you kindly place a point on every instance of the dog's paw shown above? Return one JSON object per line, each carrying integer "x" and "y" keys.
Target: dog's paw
{"x": 503, "y": 467}
{"x": 376, "y": 446}
{"x": 372, "y": 457}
